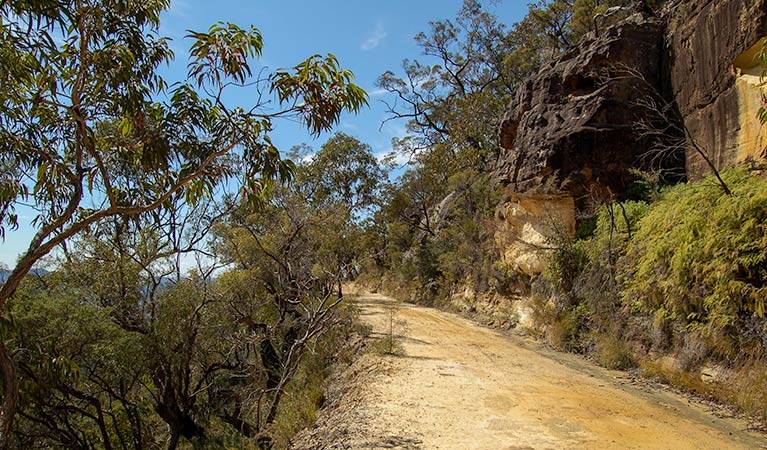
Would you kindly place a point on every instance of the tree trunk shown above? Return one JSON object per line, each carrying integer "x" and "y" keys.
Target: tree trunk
{"x": 10, "y": 396}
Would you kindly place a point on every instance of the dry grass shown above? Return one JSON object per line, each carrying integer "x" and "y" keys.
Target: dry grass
{"x": 611, "y": 352}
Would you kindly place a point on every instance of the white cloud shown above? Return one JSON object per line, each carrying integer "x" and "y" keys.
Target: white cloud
{"x": 391, "y": 158}
{"x": 377, "y": 92}
{"x": 375, "y": 39}
{"x": 393, "y": 128}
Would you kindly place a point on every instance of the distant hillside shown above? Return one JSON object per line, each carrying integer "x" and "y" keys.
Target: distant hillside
{"x": 4, "y": 274}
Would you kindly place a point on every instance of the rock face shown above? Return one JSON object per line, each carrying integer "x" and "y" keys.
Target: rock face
{"x": 526, "y": 225}
{"x": 571, "y": 129}
{"x": 569, "y": 139}
{"x": 715, "y": 78}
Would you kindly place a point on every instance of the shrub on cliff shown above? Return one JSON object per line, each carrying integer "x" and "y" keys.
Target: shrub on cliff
{"x": 698, "y": 260}
{"x": 578, "y": 300}
{"x": 685, "y": 276}
{"x": 694, "y": 262}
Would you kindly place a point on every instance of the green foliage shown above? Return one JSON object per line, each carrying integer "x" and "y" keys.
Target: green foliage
{"x": 553, "y": 19}
{"x": 685, "y": 275}
{"x": 436, "y": 234}
{"x": 325, "y": 89}
{"x": 73, "y": 359}
{"x": 344, "y": 172}
{"x": 601, "y": 281}
{"x": 594, "y": 250}
{"x": 306, "y": 394}
{"x": 564, "y": 323}
{"x": 699, "y": 260}
{"x": 80, "y": 367}
{"x": 224, "y": 50}
{"x": 586, "y": 228}
{"x": 116, "y": 349}
{"x": 91, "y": 132}
{"x": 578, "y": 302}
{"x": 567, "y": 261}
{"x": 553, "y": 26}
{"x": 92, "y": 118}
{"x": 448, "y": 99}
{"x": 611, "y": 352}
{"x": 565, "y": 330}
{"x": 615, "y": 224}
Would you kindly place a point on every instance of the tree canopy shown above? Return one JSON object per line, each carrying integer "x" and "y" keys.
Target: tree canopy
{"x": 90, "y": 130}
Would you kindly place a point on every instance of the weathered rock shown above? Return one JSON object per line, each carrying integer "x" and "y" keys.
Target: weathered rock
{"x": 715, "y": 78}
{"x": 570, "y": 139}
{"x": 714, "y": 373}
{"x": 526, "y": 225}
{"x": 490, "y": 308}
{"x": 571, "y": 129}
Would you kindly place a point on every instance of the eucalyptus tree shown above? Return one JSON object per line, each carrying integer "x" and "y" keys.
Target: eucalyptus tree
{"x": 289, "y": 256}
{"x": 90, "y": 130}
{"x": 453, "y": 96}
{"x": 115, "y": 350}
{"x": 344, "y": 172}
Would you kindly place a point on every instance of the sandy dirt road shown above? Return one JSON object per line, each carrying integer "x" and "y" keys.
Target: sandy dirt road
{"x": 460, "y": 386}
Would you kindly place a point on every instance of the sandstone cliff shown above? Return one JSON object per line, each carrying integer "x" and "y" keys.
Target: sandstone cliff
{"x": 570, "y": 129}
{"x": 715, "y": 78}
{"x": 570, "y": 138}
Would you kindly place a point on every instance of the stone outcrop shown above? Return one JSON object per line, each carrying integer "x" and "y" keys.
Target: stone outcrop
{"x": 571, "y": 129}
{"x": 569, "y": 138}
{"x": 526, "y": 226}
{"x": 715, "y": 78}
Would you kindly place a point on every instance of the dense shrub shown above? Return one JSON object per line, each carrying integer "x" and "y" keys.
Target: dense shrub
{"x": 579, "y": 294}
{"x": 684, "y": 276}
{"x": 698, "y": 259}
{"x": 693, "y": 262}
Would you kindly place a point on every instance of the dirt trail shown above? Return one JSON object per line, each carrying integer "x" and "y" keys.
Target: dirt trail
{"x": 461, "y": 386}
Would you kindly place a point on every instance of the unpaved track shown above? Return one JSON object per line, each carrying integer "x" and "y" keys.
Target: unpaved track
{"x": 461, "y": 386}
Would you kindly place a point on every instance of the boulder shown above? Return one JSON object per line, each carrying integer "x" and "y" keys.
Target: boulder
{"x": 526, "y": 226}
{"x": 571, "y": 129}
{"x": 569, "y": 138}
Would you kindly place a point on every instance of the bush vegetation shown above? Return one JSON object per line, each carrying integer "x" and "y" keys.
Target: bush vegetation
{"x": 122, "y": 344}
{"x": 698, "y": 261}
{"x": 683, "y": 276}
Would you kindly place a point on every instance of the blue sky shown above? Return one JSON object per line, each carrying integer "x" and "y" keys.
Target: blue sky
{"x": 367, "y": 37}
